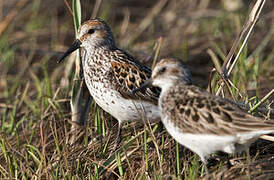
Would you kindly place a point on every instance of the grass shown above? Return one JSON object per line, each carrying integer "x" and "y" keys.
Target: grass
{"x": 35, "y": 112}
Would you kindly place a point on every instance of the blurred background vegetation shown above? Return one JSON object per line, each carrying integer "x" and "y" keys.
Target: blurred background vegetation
{"x": 35, "y": 90}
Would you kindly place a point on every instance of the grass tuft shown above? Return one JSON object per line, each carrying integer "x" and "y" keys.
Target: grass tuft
{"x": 35, "y": 113}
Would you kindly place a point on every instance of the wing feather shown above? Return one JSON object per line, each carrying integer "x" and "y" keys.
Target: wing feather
{"x": 197, "y": 111}
{"x": 130, "y": 74}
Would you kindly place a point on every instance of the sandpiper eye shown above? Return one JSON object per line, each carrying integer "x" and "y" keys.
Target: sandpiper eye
{"x": 91, "y": 31}
{"x": 162, "y": 70}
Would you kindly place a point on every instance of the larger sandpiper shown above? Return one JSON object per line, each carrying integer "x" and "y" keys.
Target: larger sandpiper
{"x": 111, "y": 74}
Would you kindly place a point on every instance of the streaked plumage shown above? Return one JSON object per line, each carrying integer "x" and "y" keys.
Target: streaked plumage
{"x": 202, "y": 122}
{"x": 111, "y": 74}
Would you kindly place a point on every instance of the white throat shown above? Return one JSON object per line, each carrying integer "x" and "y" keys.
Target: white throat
{"x": 164, "y": 84}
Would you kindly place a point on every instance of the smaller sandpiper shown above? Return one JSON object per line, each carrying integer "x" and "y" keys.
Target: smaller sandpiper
{"x": 202, "y": 122}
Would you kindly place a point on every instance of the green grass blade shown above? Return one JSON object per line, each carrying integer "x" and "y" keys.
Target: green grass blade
{"x": 76, "y": 8}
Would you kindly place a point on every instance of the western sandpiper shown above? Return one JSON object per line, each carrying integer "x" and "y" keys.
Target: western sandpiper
{"x": 111, "y": 74}
{"x": 200, "y": 121}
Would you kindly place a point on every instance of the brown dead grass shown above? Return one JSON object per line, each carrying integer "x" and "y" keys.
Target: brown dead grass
{"x": 35, "y": 117}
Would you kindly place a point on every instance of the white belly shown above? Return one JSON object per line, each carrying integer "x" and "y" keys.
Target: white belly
{"x": 122, "y": 109}
{"x": 206, "y": 144}
{"x": 201, "y": 144}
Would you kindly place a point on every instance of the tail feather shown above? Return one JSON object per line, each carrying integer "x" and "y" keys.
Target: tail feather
{"x": 249, "y": 137}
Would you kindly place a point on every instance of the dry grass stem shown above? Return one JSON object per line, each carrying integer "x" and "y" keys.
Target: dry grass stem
{"x": 41, "y": 139}
{"x": 248, "y": 27}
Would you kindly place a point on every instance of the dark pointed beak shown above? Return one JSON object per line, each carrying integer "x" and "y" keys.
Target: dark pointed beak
{"x": 145, "y": 85}
{"x": 76, "y": 45}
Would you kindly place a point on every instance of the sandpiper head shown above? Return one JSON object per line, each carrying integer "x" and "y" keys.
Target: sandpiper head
{"x": 170, "y": 71}
{"x": 94, "y": 33}
{"x": 167, "y": 72}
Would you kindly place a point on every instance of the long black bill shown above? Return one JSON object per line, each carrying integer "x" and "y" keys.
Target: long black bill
{"x": 145, "y": 85}
{"x": 76, "y": 45}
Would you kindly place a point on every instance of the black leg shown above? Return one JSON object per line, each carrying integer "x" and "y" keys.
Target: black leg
{"x": 227, "y": 166}
{"x": 228, "y": 163}
{"x": 160, "y": 127}
{"x": 206, "y": 170}
{"x": 118, "y": 138}
{"x": 248, "y": 161}
{"x": 204, "y": 161}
